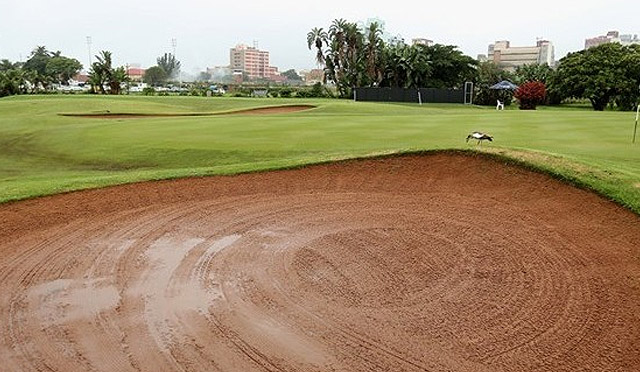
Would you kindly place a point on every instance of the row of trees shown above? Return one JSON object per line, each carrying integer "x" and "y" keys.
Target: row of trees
{"x": 606, "y": 75}
{"x": 42, "y": 69}
{"x": 353, "y": 57}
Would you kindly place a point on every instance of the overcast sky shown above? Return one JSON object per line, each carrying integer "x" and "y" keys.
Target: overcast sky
{"x": 137, "y": 31}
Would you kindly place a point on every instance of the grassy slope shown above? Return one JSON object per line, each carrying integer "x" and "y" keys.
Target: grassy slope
{"x": 43, "y": 153}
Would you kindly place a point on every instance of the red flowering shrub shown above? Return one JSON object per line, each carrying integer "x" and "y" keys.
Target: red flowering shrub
{"x": 530, "y": 94}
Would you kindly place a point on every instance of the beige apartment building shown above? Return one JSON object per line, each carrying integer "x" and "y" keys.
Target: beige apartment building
{"x": 253, "y": 62}
{"x": 509, "y": 57}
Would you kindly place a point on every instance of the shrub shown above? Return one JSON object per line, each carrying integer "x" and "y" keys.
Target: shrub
{"x": 530, "y": 94}
{"x": 148, "y": 91}
{"x": 285, "y": 92}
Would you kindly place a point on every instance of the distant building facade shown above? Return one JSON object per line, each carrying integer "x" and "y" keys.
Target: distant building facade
{"x": 421, "y": 41}
{"x": 313, "y": 76}
{"x": 252, "y": 63}
{"x": 611, "y": 37}
{"x": 136, "y": 73}
{"x": 508, "y": 57}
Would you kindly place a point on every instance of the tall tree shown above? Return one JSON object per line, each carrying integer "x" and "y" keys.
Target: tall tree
{"x": 12, "y": 81}
{"x": 62, "y": 69}
{"x": 170, "y": 65}
{"x": 291, "y": 74}
{"x": 155, "y": 75}
{"x": 317, "y": 38}
{"x": 37, "y": 66}
{"x": 374, "y": 53}
{"x": 103, "y": 74}
{"x": 38, "y": 60}
{"x": 533, "y": 72}
{"x": 604, "y": 74}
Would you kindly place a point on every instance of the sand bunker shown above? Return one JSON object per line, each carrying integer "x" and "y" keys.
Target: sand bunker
{"x": 434, "y": 263}
{"x": 252, "y": 111}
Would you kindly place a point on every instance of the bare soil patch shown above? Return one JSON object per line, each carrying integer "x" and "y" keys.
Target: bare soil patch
{"x": 253, "y": 111}
{"x": 415, "y": 263}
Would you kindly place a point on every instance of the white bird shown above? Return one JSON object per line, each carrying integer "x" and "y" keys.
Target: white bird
{"x": 479, "y": 136}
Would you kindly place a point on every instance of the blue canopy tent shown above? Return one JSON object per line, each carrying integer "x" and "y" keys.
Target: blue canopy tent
{"x": 504, "y": 85}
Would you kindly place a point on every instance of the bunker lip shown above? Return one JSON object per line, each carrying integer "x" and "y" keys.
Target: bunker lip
{"x": 267, "y": 110}
{"x": 437, "y": 262}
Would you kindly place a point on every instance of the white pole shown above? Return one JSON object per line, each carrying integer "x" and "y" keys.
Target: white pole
{"x": 419, "y": 97}
{"x": 635, "y": 128}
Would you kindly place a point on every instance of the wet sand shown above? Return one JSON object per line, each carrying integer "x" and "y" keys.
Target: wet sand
{"x": 419, "y": 263}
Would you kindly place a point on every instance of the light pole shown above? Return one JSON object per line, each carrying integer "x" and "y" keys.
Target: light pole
{"x": 174, "y": 45}
{"x": 89, "y": 42}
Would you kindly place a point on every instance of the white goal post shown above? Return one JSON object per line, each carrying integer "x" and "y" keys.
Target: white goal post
{"x": 468, "y": 93}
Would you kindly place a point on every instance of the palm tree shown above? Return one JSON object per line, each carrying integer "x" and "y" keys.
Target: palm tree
{"x": 101, "y": 71}
{"x": 374, "y": 48}
{"x": 103, "y": 74}
{"x": 118, "y": 78}
{"x": 318, "y": 37}
{"x": 12, "y": 82}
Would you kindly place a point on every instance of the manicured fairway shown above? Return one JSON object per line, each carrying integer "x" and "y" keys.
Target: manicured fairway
{"x": 43, "y": 153}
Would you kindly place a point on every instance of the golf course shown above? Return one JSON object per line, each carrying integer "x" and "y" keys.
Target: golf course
{"x": 328, "y": 235}
{"x": 43, "y": 152}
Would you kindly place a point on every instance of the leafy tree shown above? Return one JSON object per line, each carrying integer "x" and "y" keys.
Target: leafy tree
{"x": 170, "y": 65}
{"x": 604, "y": 74}
{"x": 36, "y": 65}
{"x": 449, "y": 67}
{"x": 62, "y": 69}
{"x": 533, "y": 72}
{"x": 155, "y": 75}
{"x": 38, "y": 60}
{"x": 291, "y": 75}
{"x": 530, "y": 94}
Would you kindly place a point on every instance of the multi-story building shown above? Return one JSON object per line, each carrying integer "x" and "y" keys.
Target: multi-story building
{"x": 611, "y": 37}
{"x": 508, "y": 57}
{"x": 136, "y": 73}
{"x": 313, "y": 76}
{"x": 252, "y": 62}
{"x": 628, "y": 39}
{"x": 421, "y": 41}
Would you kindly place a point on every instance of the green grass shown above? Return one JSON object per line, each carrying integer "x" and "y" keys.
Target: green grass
{"x": 43, "y": 153}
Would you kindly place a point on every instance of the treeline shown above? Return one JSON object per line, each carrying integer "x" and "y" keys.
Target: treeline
{"x": 355, "y": 57}
{"x": 42, "y": 69}
{"x": 607, "y": 76}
